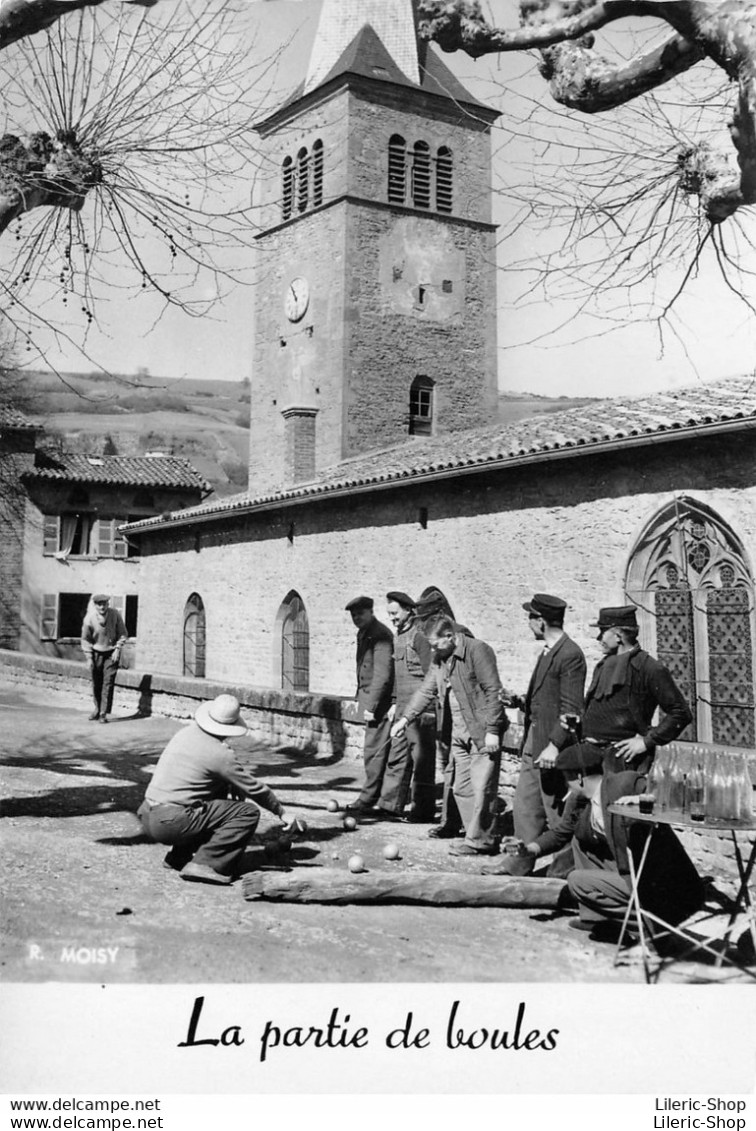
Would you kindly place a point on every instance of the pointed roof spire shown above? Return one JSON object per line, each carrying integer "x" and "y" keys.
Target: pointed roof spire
{"x": 342, "y": 20}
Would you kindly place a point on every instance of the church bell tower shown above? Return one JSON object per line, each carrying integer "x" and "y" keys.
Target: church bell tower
{"x": 375, "y": 297}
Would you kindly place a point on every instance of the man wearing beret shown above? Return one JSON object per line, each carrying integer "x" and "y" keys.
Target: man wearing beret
{"x": 464, "y": 671}
{"x": 414, "y": 749}
{"x": 103, "y": 635}
{"x": 555, "y": 690}
{"x": 626, "y": 689}
{"x": 375, "y": 682}
{"x": 603, "y": 842}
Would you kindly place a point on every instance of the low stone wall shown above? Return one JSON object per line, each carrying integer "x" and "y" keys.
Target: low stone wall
{"x": 324, "y": 724}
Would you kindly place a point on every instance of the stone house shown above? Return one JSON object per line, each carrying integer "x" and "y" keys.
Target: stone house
{"x": 74, "y": 507}
{"x": 18, "y": 442}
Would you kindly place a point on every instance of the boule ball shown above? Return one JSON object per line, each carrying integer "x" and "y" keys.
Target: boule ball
{"x": 349, "y": 824}
{"x": 391, "y": 851}
{"x": 356, "y": 863}
{"x": 333, "y": 806}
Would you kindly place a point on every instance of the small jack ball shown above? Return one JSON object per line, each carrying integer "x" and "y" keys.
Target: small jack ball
{"x": 391, "y": 852}
{"x": 349, "y": 823}
{"x": 333, "y": 806}
{"x": 356, "y": 864}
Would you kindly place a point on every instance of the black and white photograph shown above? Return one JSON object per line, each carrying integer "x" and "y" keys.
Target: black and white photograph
{"x": 377, "y": 551}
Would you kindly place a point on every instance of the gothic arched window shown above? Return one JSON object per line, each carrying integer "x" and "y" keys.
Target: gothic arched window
{"x": 317, "y": 173}
{"x": 295, "y": 644}
{"x": 421, "y": 175}
{"x": 194, "y": 637}
{"x": 421, "y": 407}
{"x": 691, "y": 580}
{"x": 303, "y": 180}
{"x": 444, "y": 179}
{"x": 287, "y": 205}
{"x": 397, "y": 170}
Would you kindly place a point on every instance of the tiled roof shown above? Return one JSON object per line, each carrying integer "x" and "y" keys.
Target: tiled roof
{"x": 127, "y": 471}
{"x": 12, "y": 418}
{"x": 603, "y": 425}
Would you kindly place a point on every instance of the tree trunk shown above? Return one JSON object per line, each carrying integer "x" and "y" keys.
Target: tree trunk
{"x": 445, "y": 889}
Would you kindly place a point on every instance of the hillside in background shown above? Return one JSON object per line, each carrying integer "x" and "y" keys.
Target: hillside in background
{"x": 206, "y": 422}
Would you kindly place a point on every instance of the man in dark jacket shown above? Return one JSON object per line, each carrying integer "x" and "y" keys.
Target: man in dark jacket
{"x": 603, "y": 843}
{"x": 375, "y": 681}
{"x": 413, "y": 751}
{"x": 555, "y": 690}
{"x": 625, "y": 691}
{"x": 464, "y": 671}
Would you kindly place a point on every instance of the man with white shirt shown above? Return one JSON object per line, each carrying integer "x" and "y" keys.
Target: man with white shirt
{"x": 556, "y": 689}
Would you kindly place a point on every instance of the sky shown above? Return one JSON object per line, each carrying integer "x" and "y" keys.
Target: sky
{"x": 710, "y": 334}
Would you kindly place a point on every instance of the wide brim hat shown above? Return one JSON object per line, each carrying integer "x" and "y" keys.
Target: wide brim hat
{"x": 618, "y": 616}
{"x": 221, "y": 716}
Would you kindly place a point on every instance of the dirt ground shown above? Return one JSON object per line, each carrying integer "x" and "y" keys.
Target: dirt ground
{"x": 85, "y": 896}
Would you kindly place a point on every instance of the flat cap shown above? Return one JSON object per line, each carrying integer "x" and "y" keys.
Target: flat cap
{"x": 358, "y": 603}
{"x": 100, "y": 599}
{"x": 400, "y": 598}
{"x": 620, "y": 616}
{"x": 582, "y": 758}
{"x": 543, "y": 605}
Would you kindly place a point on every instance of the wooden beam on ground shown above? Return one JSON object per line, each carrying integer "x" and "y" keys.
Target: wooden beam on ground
{"x": 449, "y": 889}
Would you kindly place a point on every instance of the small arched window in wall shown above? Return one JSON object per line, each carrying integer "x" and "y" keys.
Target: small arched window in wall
{"x": 421, "y": 407}
{"x": 317, "y": 174}
{"x": 287, "y": 206}
{"x": 397, "y": 170}
{"x": 444, "y": 179}
{"x": 693, "y": 585}
{"x": 303, "y": 180}
{"x": 295, "y": 644}
{"x": 194, "y": 637}
{"x": 421, "y": 175}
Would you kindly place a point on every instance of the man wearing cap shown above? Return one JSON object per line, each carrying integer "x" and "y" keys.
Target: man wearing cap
{"x": 103, "y": 635}
{"x": 187, "y": 802}
{"x": 603, "y": 843}
{"x": 464, "y": 671}
{"x": 555, "y": 690}
{"x": 375, "y": 681}
{"x": 413, "y": 751}
{"x": 627, "y": 687}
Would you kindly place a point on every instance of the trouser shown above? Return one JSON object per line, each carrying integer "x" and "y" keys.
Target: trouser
{"x": 412, "y": 759}
{"x": 104, "y": 669}
{"x": 376, "y": 755}
{"x": 601, "y": 892}
{"x": 538, "y": 800}
{"x": 475, "y": 788}
{"x": 215, "y": 832}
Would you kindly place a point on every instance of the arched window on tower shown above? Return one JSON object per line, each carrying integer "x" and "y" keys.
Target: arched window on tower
{"x": 303, "y": 180}
{"x": 287, "y": 199}
{"x": 693, "y": 585}
{"x": 421, "y": 175}
{"x": 421, "y": 407}
{"x": 397, "y": 170}
{"x": 194, "y": 637}
{"x": 295, "y": 643}
{"x": 317, "y": 173}
{"x": 444, "y": 179}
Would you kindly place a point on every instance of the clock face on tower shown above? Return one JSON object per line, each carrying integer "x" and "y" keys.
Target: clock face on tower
{"x": 297, "y": 299}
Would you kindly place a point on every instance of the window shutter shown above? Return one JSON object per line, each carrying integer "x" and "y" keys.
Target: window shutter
{"x": 50, "y": 534}
{"x": 48, "y": 621}
{"x": 104, "y": 538}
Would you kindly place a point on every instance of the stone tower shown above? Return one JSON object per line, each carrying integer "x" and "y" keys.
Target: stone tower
{"x": 375, "y": 302}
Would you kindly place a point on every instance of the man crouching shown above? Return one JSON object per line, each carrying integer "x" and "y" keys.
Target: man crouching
{"x": 187, "y": 801}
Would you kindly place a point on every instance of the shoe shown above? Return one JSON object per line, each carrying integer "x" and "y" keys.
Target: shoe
{"x": 388, "y": 815}
{"x": 511, "y": 866}
{"x": 94, "y": 716}
{"x": 201, "y": 873}
{"x": 175, "y": 859}
{"x": 605, "y": 931}
{"x": 588, "y": 925}
{"x": 445, "y": 832}
{"x": 360, "y": 808}
{"x": 103, "y": 718}
{"x": 469, "y": 850}
{"x": 420, "y": 819}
